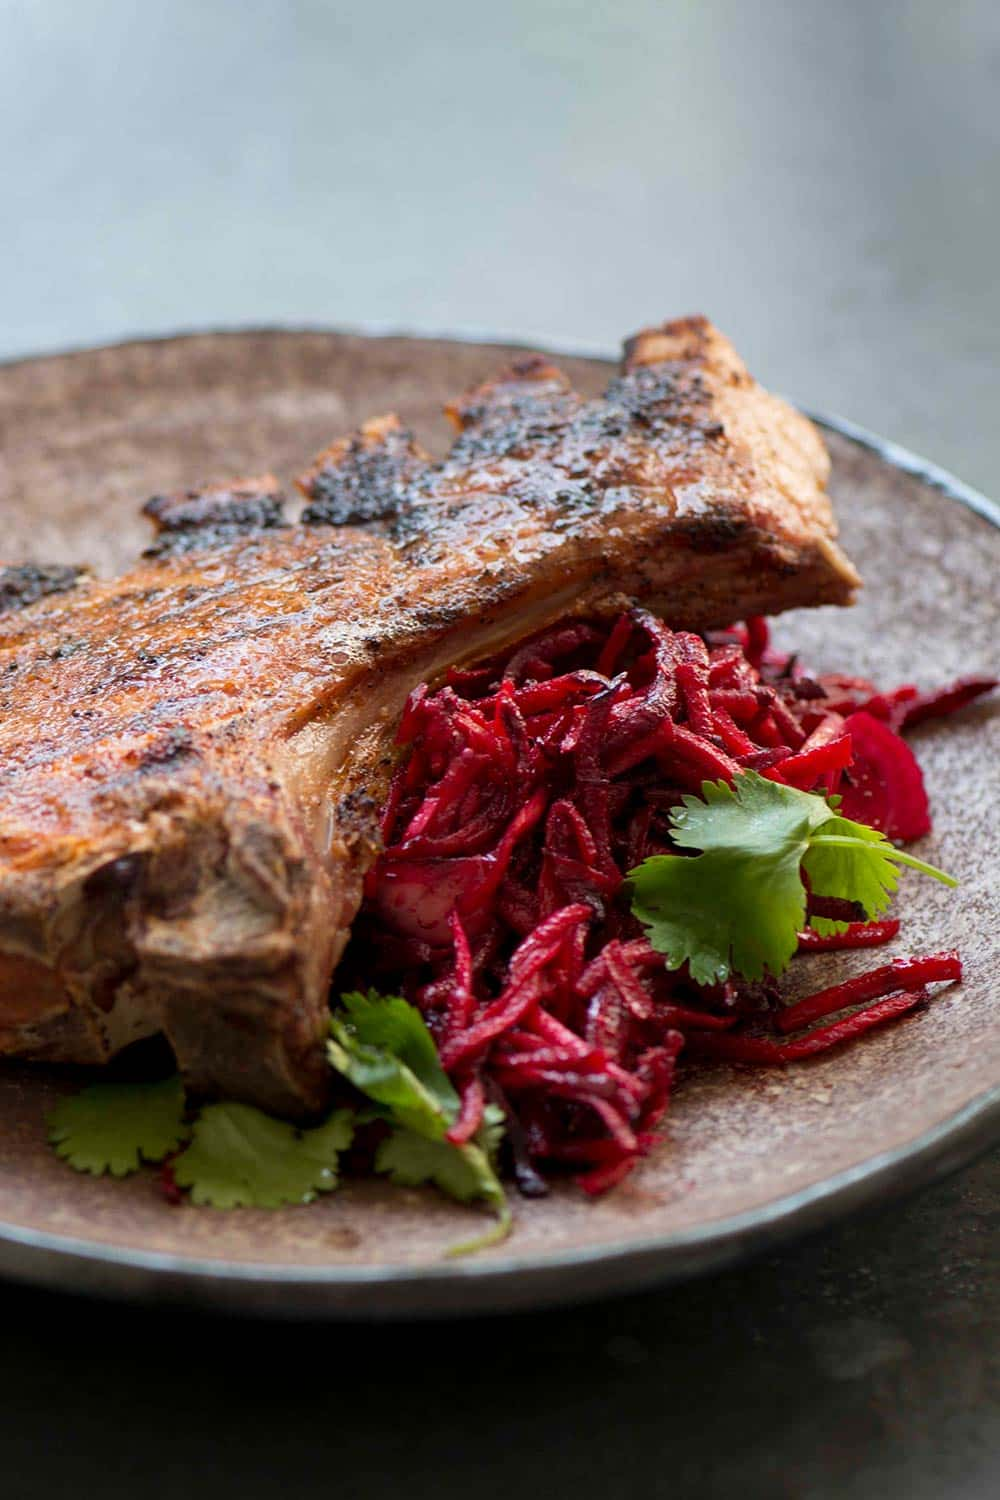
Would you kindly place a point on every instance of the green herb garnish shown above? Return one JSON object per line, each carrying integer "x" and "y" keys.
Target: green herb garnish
{"x": 237, "y": 1156}
{"x": 241, "y": 1158}
{"x": 382, "y": 1046}
{"x": 738, "y": 905}
{"x": 111, "y": 1127}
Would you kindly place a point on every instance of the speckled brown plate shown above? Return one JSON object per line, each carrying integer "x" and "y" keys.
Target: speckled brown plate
{"x": 750, "y": 1157}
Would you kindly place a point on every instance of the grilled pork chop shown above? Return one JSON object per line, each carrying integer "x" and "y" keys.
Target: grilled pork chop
{"x": 192, "y": 755}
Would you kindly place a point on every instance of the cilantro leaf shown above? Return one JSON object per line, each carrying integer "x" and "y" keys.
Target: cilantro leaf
{"x": 382, "y": 1046}
{"x": 111, "y": 1127}
{"x": 464, "y": 1172}
{"x": 753, "y": 816}
{"x": 240, "y": 1157}
{"x": 491, "y": 1132}
{"x": 737, "y": 906}
{"x": 723, "y": 914}
{"x": 861, "y": 870}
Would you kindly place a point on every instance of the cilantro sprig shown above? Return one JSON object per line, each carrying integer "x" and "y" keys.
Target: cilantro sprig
{"x": 738, "y": 904}
{"x": 230, "y": 1155}
{"x": 382, "y": 1046}
{"x": 233, "y": 1156}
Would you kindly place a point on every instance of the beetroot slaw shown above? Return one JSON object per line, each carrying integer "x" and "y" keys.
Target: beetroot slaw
{"x": 529, "y": 787}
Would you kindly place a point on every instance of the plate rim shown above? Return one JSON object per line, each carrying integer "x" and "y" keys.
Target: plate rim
{"x": 72, "y": 1263}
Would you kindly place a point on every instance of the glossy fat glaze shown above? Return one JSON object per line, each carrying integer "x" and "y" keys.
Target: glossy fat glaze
{"x": 192, "y": 754}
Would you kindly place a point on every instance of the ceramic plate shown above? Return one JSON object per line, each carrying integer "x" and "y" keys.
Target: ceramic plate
{"x": 750, "y": 1157}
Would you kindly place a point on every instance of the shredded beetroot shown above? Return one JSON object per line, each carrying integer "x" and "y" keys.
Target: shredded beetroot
{"x": 945, "y": 700}
{"x": 752, "y": 1049}
{"x": 900, "y": 974}
{"x": 905, "y": 706}
{"x": 167, "y": 1182}
{"x": 527, "y": 789}
{"x": 834, "y": 909}
{"x": 856, "y": 935}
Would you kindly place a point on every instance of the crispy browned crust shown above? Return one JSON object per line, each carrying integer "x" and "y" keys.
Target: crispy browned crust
{"x": 363, "y": 477}
{"x": 219, "y": 511}
{"x": 191, "y": 755}
{"x": 22, "y": 584}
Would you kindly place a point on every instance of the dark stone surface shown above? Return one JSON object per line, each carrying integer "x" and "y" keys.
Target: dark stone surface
{"x": 863, "y": 1363}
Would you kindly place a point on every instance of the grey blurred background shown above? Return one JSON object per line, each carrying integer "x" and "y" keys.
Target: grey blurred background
{"x": 821, "y": 176}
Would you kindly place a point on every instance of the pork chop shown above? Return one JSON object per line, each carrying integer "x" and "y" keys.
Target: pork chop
{"x": 192, "y": 755}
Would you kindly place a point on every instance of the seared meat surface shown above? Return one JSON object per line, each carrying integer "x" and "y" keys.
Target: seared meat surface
{"x": 192, "y": 755}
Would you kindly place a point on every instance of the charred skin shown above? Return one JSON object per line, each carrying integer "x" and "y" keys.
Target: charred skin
{"x": 192, "y": 755}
